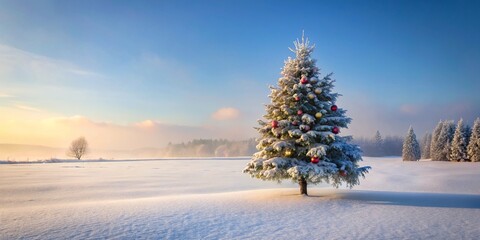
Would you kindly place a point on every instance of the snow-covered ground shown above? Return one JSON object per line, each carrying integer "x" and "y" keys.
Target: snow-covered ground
{"x": 212, "y": 199}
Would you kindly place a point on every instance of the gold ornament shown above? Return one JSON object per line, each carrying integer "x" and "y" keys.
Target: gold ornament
{"x": 318, "y": 90}
{"x": 318, "y": 115}
{"x": 311, "y": 95}
{"x": 288, "y": 153}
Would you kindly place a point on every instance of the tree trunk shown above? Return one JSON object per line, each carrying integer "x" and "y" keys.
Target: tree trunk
{"x": 303, "y": 186}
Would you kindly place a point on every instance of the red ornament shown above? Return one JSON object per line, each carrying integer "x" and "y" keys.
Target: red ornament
{"x": 274, "y": 124}
{"x": 299, "y": 112}
{"x": 297, "y": 98}
{"x": 315, "y": 159}
{"x": 334, "y": 108}
{"x": 295, "y": 123}
{"x": 342, "y": 173}
{"x": 335, "y": 130}
{"x": 303, "y": 80}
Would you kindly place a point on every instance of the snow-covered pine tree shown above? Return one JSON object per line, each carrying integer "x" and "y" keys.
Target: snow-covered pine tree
{"x": 444, "y": 140}
{"x": 468, "y": 133}
{"x": 435, "y": 146}
{"x": 473, "y": 148}
{"x": 411, "y": 149}
{"x": 458, "y": 148}
{"x": 299, "y": 138}
{"x": 425, "y": 147}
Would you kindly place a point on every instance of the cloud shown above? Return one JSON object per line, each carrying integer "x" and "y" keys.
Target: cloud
{"x": 4, "y": 95}
{"x": 409, "y": 109}
{"x": 227, "y": 113}
{"x": 25, "y": 107}
{"x": 147, "y": 124}
{"x": 20, "y": 65}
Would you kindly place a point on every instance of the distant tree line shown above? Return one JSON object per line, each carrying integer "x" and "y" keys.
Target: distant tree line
{"x": 211, "y": 148}
{"x": 452, "y": 142}
{"x": 448, "y": 142}
{"x": 377, "y": 146}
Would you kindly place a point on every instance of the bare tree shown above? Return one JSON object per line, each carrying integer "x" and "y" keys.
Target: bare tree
{"x": 78, "y": 148}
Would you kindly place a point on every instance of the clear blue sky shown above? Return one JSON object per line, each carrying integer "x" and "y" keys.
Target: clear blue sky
{"x": 176, "y": 63}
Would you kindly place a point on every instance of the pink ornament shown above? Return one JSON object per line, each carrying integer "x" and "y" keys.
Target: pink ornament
{"x": 295, "y": 123}
{"x": 297, "y": 98}
{"x": 274, "y": 124}
{"x": 299, "y": 112}
{"x": 335, "y": 130}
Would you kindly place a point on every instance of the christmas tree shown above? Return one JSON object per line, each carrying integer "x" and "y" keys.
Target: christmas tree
{"x": 411, "y": 149}
{"x": 299, "y": 136}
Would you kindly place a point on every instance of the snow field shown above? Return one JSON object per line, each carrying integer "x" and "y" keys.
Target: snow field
{"x": 212, "y": 199}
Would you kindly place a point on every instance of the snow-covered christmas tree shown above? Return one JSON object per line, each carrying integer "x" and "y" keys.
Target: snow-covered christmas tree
{"x": 411, "y": 149}
{"x": 473, "y": 148}
{"x": 458, "y": 149}
{"x": 299, "y": 136}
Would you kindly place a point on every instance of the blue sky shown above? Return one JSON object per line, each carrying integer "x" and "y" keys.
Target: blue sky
{"x": 180, "y": 65}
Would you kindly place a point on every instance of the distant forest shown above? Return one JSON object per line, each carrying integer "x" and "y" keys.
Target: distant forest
{"x": 211, "y": 148}
{"x": 376, "y": 146}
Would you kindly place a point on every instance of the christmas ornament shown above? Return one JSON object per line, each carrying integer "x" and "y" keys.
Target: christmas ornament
{"x": 274, "y": 124}
{"x": 334, "y": 108}
{"x": 335, "y": 130}
{"x": 318, "y": 115}
{"x": 306, "y": 128}
{"x": 299, "y": 112}
{"x": 318, "y": 90}
{"x": 288, "y": 153}
{"x": 303, "y": 80}
{"x": 343, "y": 173}
{"x": 315, "y": 159}
{"x": 297, "y": 98}
{"x": 295, "y": 123}
{"x": 311, "y": 95}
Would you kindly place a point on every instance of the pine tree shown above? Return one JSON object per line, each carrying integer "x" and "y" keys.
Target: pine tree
{"x": 444, "y": 141}
{"x": 473, "y": 148}
{"x": 435, "y": 146}
{"x": 411, "y": 149}
{"x": 299, "y": 138}
{"x": 378, "y": 144}
{"x": 458, "y": 149}
{"x": 425, "y": 148}
{"x": 468, "y": 133}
